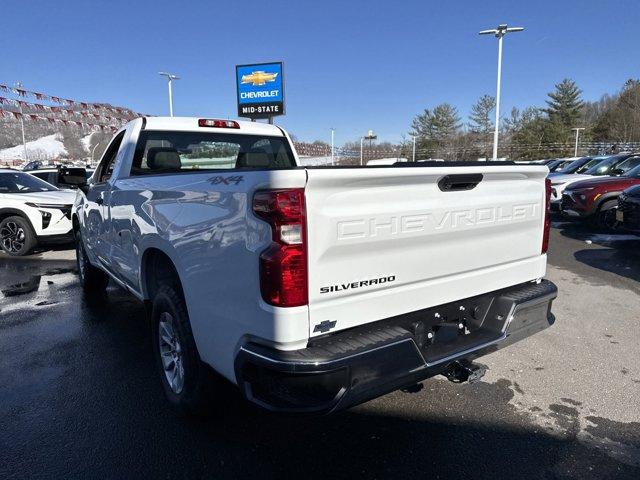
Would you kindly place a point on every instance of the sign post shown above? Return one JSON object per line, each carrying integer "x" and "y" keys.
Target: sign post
{"x": 260, "y": 90}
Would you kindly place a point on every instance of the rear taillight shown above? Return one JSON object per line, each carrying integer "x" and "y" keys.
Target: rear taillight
{"x": 547, "y": 212}
{"x": 283, "y": 265}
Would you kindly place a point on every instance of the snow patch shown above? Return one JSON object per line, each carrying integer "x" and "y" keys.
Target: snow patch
{"x": 44, "y": 148}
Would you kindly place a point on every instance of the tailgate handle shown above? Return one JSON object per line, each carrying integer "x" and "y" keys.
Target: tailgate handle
{"x": 461, "y": 181}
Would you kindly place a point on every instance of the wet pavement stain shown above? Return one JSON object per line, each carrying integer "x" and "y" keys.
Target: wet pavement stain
{"x": 23, "y": 288}
{"x": 566, "y": 418}
{"x": 46, "y": 303}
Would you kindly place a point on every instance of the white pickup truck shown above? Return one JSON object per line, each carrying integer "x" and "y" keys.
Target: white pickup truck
{"x": 311, "y": 289}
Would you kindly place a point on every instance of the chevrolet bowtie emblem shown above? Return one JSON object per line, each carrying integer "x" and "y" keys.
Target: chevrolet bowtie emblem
{"x": 259, "y": 78}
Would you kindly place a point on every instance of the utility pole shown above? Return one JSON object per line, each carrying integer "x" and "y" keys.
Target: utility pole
{"x": 577, "y": 129}
{"x": 170, "y": 78}
{"x": 332, "y": 154}
{"x": 24, "y": 142}
{"x": 499, "y": 32}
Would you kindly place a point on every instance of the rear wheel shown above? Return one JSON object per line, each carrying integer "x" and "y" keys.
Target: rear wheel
{"x": 185, "y": 380}
{"x": 17, "y": 238}
{"x": 92, "y": 279}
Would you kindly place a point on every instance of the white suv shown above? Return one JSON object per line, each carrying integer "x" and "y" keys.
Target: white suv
{"x": 32, "y": 212}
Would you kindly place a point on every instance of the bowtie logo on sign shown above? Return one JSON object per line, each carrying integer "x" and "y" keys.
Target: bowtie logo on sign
{"x": 259, "y": 78}
{"x": 260, "y": 90}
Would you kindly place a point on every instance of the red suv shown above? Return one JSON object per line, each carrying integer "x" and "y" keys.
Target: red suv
{"x": 596, "y": 200}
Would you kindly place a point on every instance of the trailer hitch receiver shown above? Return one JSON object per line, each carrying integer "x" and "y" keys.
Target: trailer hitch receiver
{"x": 465, "y": 371}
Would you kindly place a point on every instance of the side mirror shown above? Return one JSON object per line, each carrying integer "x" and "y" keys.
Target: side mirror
{"x": 73, "y": 178}
{"x": 617, "y": 172}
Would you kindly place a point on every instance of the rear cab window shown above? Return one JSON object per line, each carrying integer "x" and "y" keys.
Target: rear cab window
{"x": 160, "y": 152}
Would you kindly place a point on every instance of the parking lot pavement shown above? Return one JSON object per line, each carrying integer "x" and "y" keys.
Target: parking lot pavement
{"x": 79, "y": 396}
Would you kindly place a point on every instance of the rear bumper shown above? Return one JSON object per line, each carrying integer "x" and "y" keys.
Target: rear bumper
{"x": 346, "y": 368}
{"x": 629, "y": 209}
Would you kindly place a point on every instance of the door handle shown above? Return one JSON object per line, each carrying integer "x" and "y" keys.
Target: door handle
{"x": 456, "y": 182}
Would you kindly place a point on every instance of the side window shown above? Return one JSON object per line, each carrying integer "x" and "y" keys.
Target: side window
{"x": 105, "y": 169}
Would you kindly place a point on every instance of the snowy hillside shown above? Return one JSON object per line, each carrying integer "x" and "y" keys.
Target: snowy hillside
{"x": 44, "y": 148}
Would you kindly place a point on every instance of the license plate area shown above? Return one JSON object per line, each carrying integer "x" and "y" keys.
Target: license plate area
{"x": 454, "y": 328}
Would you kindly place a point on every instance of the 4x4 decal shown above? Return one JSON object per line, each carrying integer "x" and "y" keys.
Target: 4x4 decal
{"x": 224, "y": 180}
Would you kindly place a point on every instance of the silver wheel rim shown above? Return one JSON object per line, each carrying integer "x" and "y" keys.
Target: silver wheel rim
{"x": 170, "y": 353}
{"x": 12, "y": 237}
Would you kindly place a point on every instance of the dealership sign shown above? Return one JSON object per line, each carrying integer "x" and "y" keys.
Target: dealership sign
{"x": 260, "y": 90}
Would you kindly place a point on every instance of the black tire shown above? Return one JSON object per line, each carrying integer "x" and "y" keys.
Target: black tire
{"x": 92, "y": 279}
{"x": 191, "y": 395}
{"x": 17, "y": 238}
{"x": 605, "y": 217}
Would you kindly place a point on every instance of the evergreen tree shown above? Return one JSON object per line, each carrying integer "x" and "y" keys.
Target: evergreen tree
{"x": 565, "y": 105}
{"x": 436, "y": 125}
{"x": 481, "y": 124}
{"x": 435, "y": 129}
{"x": 480, "y": 116}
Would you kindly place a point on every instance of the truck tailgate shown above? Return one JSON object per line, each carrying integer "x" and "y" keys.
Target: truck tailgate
{"x": 388, "y": 241}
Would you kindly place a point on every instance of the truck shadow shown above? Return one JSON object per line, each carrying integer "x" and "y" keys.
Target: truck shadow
{"x": 358, "y": 443}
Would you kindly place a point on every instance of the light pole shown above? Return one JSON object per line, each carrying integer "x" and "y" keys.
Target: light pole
{"x": 369, "y": 136}
{"x": 24, "y": 142}
{"x": 499, "y": 32}
{"x": 92, "y": 152}
{"x": 170, "y": 78}
{"x": 332, "y": 135}
{"x": 577, "y": 129}
{"x": 414, "y": 148}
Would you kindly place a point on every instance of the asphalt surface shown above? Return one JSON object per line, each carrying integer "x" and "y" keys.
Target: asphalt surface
{"x": 79, "y": 397}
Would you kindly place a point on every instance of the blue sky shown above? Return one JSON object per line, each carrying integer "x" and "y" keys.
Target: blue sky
{"x": 352, "y": 65}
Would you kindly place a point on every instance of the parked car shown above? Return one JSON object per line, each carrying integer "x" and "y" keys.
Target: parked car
{"x": 597, "y": 166}
{"x": 51, "y": 175}
{"x": 628, "y": 212}
{"x": 553, "y": 164}
{"x": 565, "y": 164}
{"x": 561, "y": 164}
{"x": 596, "y": 199}
{"x": 270, "y": 273}
{"x": 32, "y": 212}
{"x": 572, "y": 167}
{"x": 33, "y": 165}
